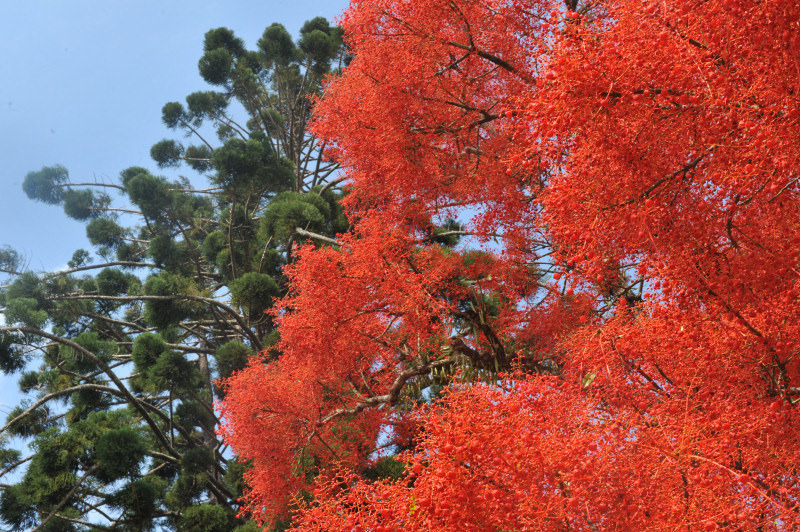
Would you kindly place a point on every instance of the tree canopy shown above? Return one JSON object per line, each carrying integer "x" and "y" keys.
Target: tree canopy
{"x": 612, "y": 344}
{"x": 118, "y": 355}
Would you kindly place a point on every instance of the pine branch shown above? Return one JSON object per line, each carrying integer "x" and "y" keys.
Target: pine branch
{"x": 15, "y": 465}
{"x": 243, "y": 326}
{"x": 107, "y": 370}
{"x": 63, "y": 502}
{"x": 55, "y": 395}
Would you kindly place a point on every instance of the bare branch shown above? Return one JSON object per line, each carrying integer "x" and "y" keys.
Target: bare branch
{"x": 393, "y": 394}
{"x": 315, "y": 236}
{"x": 332, "y": 183}
{"x": 131, "y": 264}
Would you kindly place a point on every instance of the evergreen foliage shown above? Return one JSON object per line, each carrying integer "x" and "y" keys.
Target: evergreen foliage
{"x": 118, "y": 355}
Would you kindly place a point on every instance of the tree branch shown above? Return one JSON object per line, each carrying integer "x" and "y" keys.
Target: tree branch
{"x": 332, "y": 183}
{"x": 245, "y": 330}
{"x": 393, "y": 394}
{"x": 55, "y": 395}
{"x": 131, "y": 264}
{"x": 66, "y": 498}
{"x": 15, "y": 465}
{"x": 108, "y": 371}
{"x": 315, "y": 236}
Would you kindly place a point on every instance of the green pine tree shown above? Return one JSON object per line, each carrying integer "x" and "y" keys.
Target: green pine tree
{"x": 119, "y": 356}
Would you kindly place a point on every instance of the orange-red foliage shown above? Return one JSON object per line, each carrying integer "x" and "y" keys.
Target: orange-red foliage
{"x": 629, "y": 170}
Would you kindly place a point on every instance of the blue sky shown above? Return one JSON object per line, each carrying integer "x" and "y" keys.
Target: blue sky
{"x": 82, "y": 83}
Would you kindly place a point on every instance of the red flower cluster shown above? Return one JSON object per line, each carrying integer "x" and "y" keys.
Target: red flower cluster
{"x": 626, "y": 174}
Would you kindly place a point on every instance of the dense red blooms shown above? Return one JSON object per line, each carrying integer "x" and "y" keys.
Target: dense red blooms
{"x": 620, "y": 323}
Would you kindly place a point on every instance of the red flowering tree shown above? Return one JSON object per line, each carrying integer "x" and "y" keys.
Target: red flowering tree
{"x": 612, "y": 344}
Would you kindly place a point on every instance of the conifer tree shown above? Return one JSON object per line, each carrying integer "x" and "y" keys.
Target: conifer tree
{"x": 118, "y": 355}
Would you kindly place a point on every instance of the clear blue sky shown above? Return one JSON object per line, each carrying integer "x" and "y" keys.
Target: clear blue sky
{"x": 82, "y": 83}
